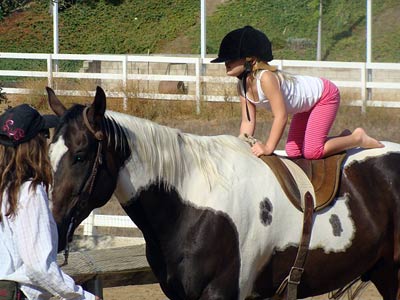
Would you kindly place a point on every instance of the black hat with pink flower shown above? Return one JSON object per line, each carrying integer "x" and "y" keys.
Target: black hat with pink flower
{"x": 21, "y": 123}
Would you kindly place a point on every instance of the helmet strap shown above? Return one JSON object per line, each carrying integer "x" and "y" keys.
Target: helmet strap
{"x": 244, "y": 82}
{"x": 248, "y": 67}
{"x": 247, "y": 70}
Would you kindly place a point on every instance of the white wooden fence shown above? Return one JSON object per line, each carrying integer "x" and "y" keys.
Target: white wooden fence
{"x": 96, "y": 220}
{"x": 365, "y": 79}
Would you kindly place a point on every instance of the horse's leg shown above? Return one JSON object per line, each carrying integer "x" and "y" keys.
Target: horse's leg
{"x": 219, "y": 290}
{"x": 385, "y": 277}
{"x": 211, "y": 293}
{"x": 398, "y": 285}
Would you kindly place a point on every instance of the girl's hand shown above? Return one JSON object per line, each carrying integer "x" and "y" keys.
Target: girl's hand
{"x": 259, "y": 149}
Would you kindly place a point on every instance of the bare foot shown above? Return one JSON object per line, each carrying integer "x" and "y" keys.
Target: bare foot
{"x": 365, "y": 141}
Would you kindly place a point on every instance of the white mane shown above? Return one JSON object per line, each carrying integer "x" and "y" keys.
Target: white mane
{"x": 168, "y": 153}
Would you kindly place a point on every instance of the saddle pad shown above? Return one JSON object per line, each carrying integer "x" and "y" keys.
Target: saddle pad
{"x": 325, "y": 175}
{"x": 285, "y": 178}
{"x": 297, "y": 176}
{"x": 302, "y": 181}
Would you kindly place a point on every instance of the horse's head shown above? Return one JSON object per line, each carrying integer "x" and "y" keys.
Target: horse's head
{"x": 84, "y": 163}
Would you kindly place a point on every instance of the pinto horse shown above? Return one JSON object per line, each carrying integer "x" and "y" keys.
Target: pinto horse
{"x": 215, "y": 219}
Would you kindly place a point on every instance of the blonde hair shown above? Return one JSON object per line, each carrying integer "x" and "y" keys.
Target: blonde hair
{"x": 263, "y": 65}
{"x": 27, "y": 161}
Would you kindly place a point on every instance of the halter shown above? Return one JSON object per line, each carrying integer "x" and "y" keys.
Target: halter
{"x": 89, "y": 183}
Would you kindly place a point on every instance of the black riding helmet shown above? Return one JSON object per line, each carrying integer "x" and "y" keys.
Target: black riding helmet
{"x": 244, "y": 42}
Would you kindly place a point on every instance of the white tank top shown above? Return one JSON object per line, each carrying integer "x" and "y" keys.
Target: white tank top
{"x": 300, "y": 92}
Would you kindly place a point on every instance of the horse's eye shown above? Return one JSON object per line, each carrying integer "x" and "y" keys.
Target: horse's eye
{"x": 78, "y": 158}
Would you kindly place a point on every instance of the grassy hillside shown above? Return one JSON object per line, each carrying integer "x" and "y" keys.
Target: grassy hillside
{"x": 172, "y": 27}
{"x": 98, "y": 27}
{"x": 292, "y": 27}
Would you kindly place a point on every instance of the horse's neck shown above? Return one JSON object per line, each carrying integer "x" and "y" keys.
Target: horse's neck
{"x": 179, "y": 161}
{"x": 139, "y": 173}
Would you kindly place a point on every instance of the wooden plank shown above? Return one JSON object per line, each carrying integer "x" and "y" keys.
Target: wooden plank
{"x": 113, "y": 267}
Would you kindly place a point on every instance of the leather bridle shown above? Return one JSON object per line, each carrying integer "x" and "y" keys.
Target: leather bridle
{"x": 99, "y": 159}
{"x": 88, "y": 184}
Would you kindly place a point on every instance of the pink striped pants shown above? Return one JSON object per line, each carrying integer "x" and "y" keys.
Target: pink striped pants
{"x": 309, "y": 130}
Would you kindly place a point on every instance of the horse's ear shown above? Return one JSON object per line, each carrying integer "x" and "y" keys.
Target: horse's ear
{"x": 97, "y": 110}
{"x": 55, "y": 104}
{"x": 99, "y": 103}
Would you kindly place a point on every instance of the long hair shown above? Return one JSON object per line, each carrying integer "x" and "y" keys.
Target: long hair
{"x": 263, "y": 65}
{"x": 27, "y": 161}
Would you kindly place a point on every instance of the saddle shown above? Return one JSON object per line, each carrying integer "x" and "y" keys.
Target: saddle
{"x": 320, "y": 177}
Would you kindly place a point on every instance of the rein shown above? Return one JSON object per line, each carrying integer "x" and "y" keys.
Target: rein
{"x": 88, "y": 185}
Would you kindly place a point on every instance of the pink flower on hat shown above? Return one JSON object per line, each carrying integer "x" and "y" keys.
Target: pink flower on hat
{"x": 16, "y": 133}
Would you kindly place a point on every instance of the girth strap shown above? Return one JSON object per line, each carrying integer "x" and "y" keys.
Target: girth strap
{"x": 292, "y": 281}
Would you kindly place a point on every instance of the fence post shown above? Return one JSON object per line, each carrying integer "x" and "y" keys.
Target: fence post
{"x": 88, "y": 224}
{"x": 363, "y": 87}
{"x": 125, "y": 80}
{"x": 50, "y": 71}
{"x": 199, "y": 67}
{"x": 94, "y": 286}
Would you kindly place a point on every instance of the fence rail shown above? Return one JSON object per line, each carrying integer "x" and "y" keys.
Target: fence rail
{"x": 96, "y": 220}
{"x": 98, "y": 269}
{"x": 364, "y": 79}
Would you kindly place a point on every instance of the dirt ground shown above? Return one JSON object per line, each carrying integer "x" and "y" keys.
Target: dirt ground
{"x": 153, "y": 292}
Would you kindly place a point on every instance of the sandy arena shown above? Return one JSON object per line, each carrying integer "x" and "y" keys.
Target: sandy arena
{"x": 153, "y": 292}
